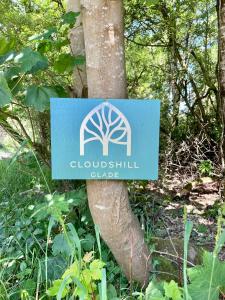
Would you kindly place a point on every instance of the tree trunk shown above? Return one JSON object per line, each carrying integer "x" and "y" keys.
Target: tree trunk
{"x": 221, "y": 22}
{"x": 77, "y": 48}
{"x": 108, "y": 200}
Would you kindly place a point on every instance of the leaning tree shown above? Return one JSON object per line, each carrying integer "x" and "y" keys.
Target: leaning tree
{"x": 99, "y": 33}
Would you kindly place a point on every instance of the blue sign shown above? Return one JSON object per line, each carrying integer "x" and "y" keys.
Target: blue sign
{"x": 104, "y": 139}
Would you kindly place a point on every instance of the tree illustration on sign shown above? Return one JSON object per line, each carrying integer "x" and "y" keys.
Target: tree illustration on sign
{"x": 106, "y": 124}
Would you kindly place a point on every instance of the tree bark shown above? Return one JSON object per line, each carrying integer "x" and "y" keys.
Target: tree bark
{"x": 108, "y": 200}
{"x": 221, "y": 23}
{"x": 77, "y": 48}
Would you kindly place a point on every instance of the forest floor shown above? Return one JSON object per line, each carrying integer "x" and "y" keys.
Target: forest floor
{"x": 202, "y": 199}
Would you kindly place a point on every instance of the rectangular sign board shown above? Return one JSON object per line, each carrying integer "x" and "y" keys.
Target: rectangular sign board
{"x": 105, "y": 139}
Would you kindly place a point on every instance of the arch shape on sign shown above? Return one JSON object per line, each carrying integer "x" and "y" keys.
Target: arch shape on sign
{"x": 106, "y": 124}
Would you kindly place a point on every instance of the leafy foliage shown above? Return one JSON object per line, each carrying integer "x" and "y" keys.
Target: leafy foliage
{"x": 5, "y": 93}
{"x": 84, "y": 276}
{"x": 67, "y": 62}
{"x": 34, "y": 68}
{"x": 30, "y": 61}
{"x": 163, "y": 291}
{"x": 172, "y": 291}
{"x": 38, "y": 97}
{"x": 205, "y": 167}
{"x": 70, "y": 17}
{"x": 207, "y": 280}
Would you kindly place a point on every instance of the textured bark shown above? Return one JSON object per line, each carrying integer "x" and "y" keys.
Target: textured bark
{"x": 221, "y": 17}
{"x": 77, "y": 48}
{"x": 120, "y": 229}
{"x": 108, "y": 200}
{"x": 103, "y": 32}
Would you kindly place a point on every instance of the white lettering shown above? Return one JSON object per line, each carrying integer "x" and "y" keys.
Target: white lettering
{"x": 104, "y": 164}
{"x": 118, "y": 164}
{"x": 135, "y": 165}
{"x": 95, "y": 164}
{"x": 79, "y": 165}
{"x": 73, "y": 164}
{"x": 111, "y": 164}
{"x": 87, "y": 164}
{"x": 104, "y": 175}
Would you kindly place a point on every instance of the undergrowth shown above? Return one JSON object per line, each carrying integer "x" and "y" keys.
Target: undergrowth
{"x": 50, "y": 248}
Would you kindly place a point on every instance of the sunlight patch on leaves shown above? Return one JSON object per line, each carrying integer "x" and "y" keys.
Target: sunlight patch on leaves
{"x": 28, "y": 59}
{"x": 6, "y": 45}
{"x": 53, "y": 291}
{"x": 96, "y": 269}
{"x": 172, "y": 291}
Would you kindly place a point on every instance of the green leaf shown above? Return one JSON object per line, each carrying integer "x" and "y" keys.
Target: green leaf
{"x": 55, "y": 267}
{"x": 55, "y": 206}
{"x": 30, "y": 60}
{"x": 29, "y": 285}
{"x": 3, "y": 291}
{"x": 45, "y": 35}
{"x": 40, "y": 65}
{"x": 88, "y": 242}
{"x": 96, "y": 269}
{"x": 103, "y": 286}
{"x": 208, "y": 279}
{"x": 72, "y": 271}
{"x": 53, "y": 291}
{"x": 6, "y": 57}
{"x": 152, "y": 2}
{"x": 5, "y": 93}
{"x": 220, "y": 242}
{"x": 172, "y": 290}
{"x": 70, "y": 17}
{"x": 61, "y": 43}
{"x": 62, "y": 93}
{"x": 44, "y": 46}
{"x": 187, "y": 234}
{"x": 74, "y": 238}
{"x": 6, "y": 45}
{"x": 154, "y": 291}
{"x": 111, "y": 292}
{"x": 38, "y": 97}
{"x": 60, "y": 245}
{"x": 77, "y": 197}
{"x": 86, "y": 276}
{"x": 12, "y": 72}
{"x": 67, "y": 62}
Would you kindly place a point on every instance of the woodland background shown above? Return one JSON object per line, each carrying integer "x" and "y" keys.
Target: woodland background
{"x": 175, "y": 53}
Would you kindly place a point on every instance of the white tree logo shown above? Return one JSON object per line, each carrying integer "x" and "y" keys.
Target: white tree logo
{"x": 106, "y": 124}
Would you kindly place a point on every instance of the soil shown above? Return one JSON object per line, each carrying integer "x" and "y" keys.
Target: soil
{"x": 164, "y": 208}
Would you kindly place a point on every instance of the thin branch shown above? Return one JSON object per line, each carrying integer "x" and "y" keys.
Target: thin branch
{"x": 19, "y": 123}
{"x": 147, "y": 45}
{"x": 174, "y": 256}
